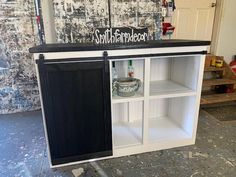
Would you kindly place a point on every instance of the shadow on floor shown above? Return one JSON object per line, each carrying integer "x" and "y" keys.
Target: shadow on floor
{"x": 23, "y": 153}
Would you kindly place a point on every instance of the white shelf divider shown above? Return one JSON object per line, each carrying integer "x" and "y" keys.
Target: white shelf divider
{"x": 146, "y": 99}
{"x": 169, "y": 89}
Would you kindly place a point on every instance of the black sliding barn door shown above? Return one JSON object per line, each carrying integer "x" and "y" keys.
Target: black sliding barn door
{"x": 76, "y": 99}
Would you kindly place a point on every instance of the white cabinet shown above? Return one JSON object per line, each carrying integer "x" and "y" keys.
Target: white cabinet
{"x": 163, "y": 113}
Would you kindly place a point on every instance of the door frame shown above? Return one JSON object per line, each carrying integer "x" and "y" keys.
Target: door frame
{"x": 220, "y": 4}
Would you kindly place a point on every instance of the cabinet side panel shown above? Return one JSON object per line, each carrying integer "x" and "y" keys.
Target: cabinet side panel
{"x": 185, "y": 71}
{"x": 182, "y": 112}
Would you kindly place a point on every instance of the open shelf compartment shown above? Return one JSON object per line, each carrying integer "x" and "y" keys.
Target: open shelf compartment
{"x": 127, "y": 123}
{"x": 121, "y": 67}
{"x": 171, "y": 119}
{"x": 173, "y": 76}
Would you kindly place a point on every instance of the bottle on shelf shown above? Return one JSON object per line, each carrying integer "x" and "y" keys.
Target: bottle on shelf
{"x": 130, "y": 69}
{"x": 114, "y": 72}
{"x": 114, "y": 77}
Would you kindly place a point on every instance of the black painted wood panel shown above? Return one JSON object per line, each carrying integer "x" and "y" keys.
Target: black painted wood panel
{"x": 77, "y": 110}
{"x": 91, "y": 47}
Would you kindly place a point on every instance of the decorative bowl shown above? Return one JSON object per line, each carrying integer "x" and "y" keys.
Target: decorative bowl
{"x": 126, "y": 87}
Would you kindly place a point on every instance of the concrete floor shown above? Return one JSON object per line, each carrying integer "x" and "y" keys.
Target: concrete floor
{"x": 23, "y": 153}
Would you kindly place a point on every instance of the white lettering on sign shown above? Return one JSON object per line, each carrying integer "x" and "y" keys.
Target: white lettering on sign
{"x": 122, "y": 35}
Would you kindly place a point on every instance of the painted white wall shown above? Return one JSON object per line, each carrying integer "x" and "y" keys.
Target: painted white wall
{"x": 226, "y": 44}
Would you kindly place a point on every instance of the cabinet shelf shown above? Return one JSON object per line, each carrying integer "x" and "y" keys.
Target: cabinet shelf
{"x": 162, "y": 128}
{"x": 118, "y": 99}
{"x": 171, "y": 119}
{"x": 137, "y": 97}
{"x": 127, "y": 134}
{"x": 158, "y": 89}
{"x": 167, "y": 89}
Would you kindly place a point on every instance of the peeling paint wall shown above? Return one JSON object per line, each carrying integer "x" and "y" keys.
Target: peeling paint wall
{"x": 75, "y": 20}
{"x": 18, "y": 83}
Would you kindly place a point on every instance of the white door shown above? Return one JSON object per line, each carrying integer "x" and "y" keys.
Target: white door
{"x": 194, "y": 19}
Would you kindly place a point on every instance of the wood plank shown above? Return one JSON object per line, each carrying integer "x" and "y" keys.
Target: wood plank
{"x": 212, "y": 82}
{"x": 165, "y": 87}
{"x": 229, "y": 72}
{"x": 217, "y": 98}
{"x": 210, "y": 69}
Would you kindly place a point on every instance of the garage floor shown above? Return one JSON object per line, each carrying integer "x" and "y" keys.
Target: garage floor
{"x": 23, "y": 153}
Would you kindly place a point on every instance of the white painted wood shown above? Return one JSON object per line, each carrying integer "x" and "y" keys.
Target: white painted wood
{"x": 185, "y": 71}
{"x": 155, "y": 146}
{"x": 171, "y": 50}
{"x": 163, "y": 128}
{"x": 125, "y": 52}
{"x": 118, "y": 99}
{"x": 158, "y": 108}
{"x": 160, "y": 69}
{"x": 193, "y": 19}
{"x": 127, "y": 134}
{"x": 169, "y": 114}
{"x": 125, "y": 114}
{"x": 173, "y": 95}
{"x": 198, "y": 96}
{"x": 181, "y": 111}
{"x": 180, "y": 71}
{"x": 146, "y": 99}
{"x": 168, "y": 88}
{"x": 135, "y": 111}
{"x": 130, "y": 118}
{"x": 120, "y": 112}
{"x": 130, "y": 111}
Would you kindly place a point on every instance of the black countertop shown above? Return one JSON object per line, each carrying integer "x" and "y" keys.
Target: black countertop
{"x": 90, "y": 47}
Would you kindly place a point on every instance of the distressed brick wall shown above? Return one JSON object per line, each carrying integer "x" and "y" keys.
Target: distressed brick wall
{"x": 18, "y": 84}
{"x": 75, "y": 20}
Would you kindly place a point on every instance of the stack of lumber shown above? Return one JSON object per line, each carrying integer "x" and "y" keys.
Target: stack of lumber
{"x": 225, "y": 77}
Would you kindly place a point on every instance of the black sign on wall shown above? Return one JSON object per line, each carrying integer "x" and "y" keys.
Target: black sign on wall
{"x": 120, "y": 35}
